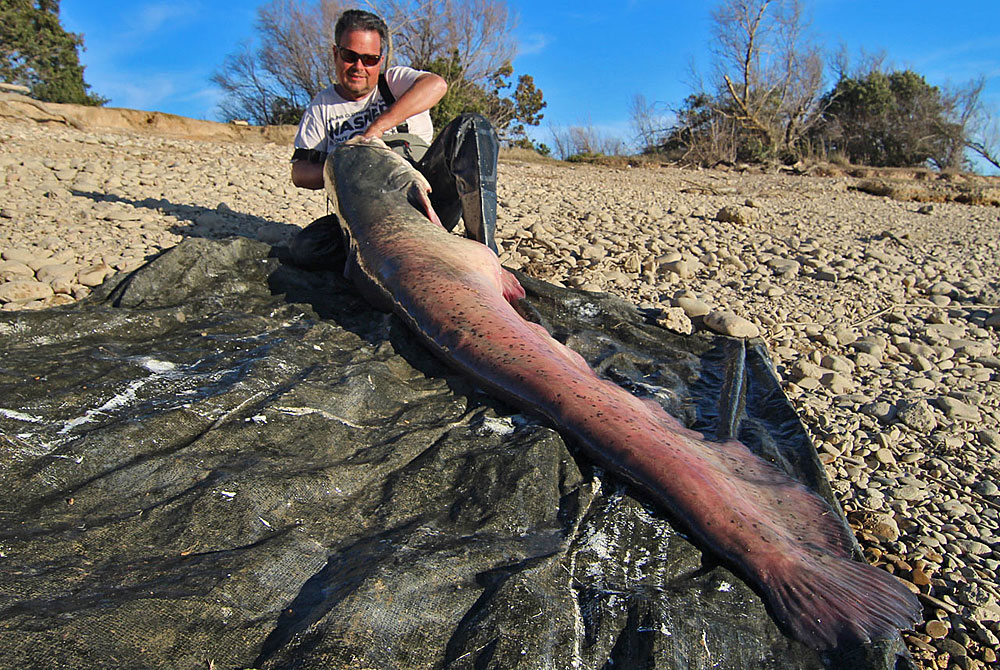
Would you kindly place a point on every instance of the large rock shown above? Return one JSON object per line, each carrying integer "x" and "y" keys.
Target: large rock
{"x": 222, "y": 459}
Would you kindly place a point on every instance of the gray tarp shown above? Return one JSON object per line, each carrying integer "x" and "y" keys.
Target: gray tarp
{"x": 223, "y": 459}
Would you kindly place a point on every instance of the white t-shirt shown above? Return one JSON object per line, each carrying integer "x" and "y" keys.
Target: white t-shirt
{"x": 330, "y": 119}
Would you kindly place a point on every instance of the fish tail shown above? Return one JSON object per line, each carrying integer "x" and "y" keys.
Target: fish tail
{"x": 790, "y": 543}
{"x": 827, "y": 600}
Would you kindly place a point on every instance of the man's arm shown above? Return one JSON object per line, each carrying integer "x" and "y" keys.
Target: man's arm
{"x": 307, "y": 175}
{"x": 426, "y": 91}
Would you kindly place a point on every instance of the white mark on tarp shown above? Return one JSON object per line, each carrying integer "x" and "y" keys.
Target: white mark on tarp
{"x": 160, "y": 370}
{"x": 579, "y": 625}
{"x": 30, "y": 445}
{"x": 11, "y": 328}
{"x": 120, "y": 400}
{"x": 584, "y": 309}
{"x": 75, "y": 459}
{"x": 600, "y": 544}
{"x": 654, "y": 390}
{"x": 502, "y": 426}
{"x": 303, "y": 411}
{"x": 19, "y": 416}
{"x": 154, "y": 365}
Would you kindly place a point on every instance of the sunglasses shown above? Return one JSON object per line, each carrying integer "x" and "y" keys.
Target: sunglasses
{"x": 348, "y": 56}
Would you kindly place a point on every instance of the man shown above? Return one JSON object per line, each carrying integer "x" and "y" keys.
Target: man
{"x": 460, "y": 165}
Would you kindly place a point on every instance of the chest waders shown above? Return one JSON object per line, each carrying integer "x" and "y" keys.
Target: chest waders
{"x": 461, "y": 166}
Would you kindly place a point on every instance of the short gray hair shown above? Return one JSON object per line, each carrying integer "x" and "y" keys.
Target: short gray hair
{"x": 358, "y": 19}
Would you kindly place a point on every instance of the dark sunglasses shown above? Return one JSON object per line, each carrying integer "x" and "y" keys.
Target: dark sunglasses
{"x": 348, "y": 56}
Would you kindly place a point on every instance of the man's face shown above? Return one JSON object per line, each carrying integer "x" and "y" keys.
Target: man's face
{"x": 357, "y": 79}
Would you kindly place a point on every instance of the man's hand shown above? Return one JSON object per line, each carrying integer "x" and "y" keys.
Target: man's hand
{"x": 374, "y": 132}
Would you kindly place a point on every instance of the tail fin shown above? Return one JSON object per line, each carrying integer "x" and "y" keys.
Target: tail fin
{"x": 828, "y": 600}
{"x": 796, "y": 549}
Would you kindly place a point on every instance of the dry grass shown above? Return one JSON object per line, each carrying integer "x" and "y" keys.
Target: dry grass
{"x": 519, "y": 155}
{"x": 941, "y": 190}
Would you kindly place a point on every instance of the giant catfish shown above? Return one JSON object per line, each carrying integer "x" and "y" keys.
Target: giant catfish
{"x": 454, "y": 294}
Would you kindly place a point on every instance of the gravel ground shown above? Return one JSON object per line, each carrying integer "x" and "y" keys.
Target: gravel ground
{"x": 883, "y": 317}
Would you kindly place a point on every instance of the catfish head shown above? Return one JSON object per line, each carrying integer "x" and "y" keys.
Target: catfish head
{"x": 371, "y": 170}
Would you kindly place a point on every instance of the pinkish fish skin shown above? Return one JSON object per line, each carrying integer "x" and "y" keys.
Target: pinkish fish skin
{"x": 454, "y": 294}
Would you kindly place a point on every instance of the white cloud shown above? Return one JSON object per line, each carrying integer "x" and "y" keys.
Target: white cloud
{"x": 533, "y": 43}
{"x": 146, "y": 94}
{"x": 183, "y": 93}
{"x": 207, "y": 99}
{"x": 961, "y": 62}
{"x": 153, "y": 17}
{"x": 977, "y": 48}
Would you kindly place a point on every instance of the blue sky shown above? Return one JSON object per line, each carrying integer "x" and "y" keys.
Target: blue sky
{"x": 589, "y": 58}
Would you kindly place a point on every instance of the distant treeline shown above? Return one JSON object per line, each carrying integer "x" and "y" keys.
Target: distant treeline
{"x": 768, "y": 101}
{"x": 880, "y": 118}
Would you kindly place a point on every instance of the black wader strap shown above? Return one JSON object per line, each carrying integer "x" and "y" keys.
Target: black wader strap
{"x": 309, "y": 155}
{"x": 383, "y": 88}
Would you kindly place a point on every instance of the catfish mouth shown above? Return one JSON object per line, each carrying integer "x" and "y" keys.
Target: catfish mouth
{"x": 399, "y": 175}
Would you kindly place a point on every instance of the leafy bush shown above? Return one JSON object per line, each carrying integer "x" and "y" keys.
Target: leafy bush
{"x": 893, "y": 119}
{"x": 35, "y": 51}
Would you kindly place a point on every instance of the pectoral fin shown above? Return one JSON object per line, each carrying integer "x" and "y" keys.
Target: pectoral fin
{"x": 418, "y": 197}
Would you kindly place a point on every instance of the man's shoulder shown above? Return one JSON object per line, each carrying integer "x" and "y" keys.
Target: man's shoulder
{"x": 402, "y": 74}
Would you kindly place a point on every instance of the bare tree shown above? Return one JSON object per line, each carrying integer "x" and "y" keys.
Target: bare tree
{"x": 980, "y": 124}
{"x": 588, "y": 141}
{"x": 293, "y": 61}
{"x": 477, "y": 35}
{"x": 248, "y": 93}
{"x": 298, "y": 45}
{"x": 985, "y": 140}
{"x": 768, "y": 72}
{"x": 648, "y": 120}
{"x": 842, "y": 67}
{"x": 469, "y": 42}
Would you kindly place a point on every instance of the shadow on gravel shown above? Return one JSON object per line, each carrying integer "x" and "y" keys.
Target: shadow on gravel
{"x": 206, "y": 222}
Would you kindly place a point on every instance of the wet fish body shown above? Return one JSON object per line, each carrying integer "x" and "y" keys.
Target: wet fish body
{"x": 454, "y": 294}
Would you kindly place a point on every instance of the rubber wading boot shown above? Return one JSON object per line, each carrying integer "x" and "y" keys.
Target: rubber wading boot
{"x": 320, "y": 245}
{"x": 475, "y": 169}
{"x": 461, "y": 166}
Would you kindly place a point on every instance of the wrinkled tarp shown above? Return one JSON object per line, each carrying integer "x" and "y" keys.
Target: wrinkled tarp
{"x": 223, "y": 459}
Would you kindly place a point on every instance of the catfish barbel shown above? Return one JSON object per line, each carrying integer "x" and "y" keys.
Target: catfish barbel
{"x": 453, "y": 293}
